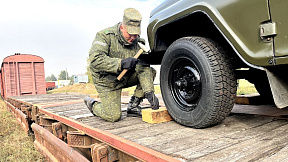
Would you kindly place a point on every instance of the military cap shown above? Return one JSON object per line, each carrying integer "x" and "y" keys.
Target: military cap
{"x": 132, "y": 20}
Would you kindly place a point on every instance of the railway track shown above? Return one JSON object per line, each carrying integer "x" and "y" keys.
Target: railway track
{"x": 65, "y": 130}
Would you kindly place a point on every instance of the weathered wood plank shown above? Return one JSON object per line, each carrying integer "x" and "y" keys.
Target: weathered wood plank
{"x": 242, "y": 136}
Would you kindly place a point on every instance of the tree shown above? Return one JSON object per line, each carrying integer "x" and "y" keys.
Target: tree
{"x": 51, "y": 78}
{"x": 48, "y": 78}
{"x": 72, "y": 80}
{"x": 62, "y": 75}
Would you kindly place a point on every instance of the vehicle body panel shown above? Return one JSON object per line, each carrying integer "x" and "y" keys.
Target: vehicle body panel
{"x": 279, "y": 12}
{"x": 230, "y": 17}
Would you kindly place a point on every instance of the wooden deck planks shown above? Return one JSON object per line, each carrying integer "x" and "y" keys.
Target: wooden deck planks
{"x": 242, "y": 136}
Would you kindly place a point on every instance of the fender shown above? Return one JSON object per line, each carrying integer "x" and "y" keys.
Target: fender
{"x": 230, "y": 18}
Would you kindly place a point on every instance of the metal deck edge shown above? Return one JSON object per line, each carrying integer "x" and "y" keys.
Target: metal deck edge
{"x": 21, "y": 118}
{"x": 54, "y": 148}
{"x": 117, "y": 142}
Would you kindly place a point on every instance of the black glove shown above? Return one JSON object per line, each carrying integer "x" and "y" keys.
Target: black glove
{"x": 129, "y": 63}
{"x": 153, "y": 100}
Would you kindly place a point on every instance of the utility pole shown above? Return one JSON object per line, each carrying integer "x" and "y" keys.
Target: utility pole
{"x": 66, "y": 74}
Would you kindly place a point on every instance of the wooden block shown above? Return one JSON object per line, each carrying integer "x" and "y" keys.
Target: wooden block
{"x": 125, "y": 93}
{"x": 242, "y": 100}
{"x": 156, "y": 116}
{"x": 94, "y": 95}
{"x": 251, "y": 99}
{"x": 246, "y": 99}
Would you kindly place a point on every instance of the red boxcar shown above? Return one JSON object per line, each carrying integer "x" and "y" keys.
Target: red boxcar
{"x": 22, "y": 74}
{"x": 50, "y": 86}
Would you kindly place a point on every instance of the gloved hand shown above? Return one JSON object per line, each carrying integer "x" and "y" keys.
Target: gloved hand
{"x": 153, "y": 100}
{"x": 129, "y": 63}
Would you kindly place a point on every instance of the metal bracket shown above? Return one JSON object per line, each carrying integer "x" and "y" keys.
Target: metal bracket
{"x": 57, "y": 130}
{"x": 46, "y": 122}
{"x": 267, "y": 31}
{"x": 99, "y": 152}
{"x": 79, "y": 139}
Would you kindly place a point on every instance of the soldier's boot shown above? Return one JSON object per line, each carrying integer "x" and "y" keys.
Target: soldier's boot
{"x": 89, "y": 103}
{"x": 133, "y": 109}
{"x": 153, "y": 100}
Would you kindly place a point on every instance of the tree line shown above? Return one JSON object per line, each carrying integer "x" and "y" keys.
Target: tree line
{"x": 63, "y": 74}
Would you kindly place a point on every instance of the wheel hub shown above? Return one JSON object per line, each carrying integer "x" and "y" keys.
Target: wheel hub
{"x": 187, "y": 86}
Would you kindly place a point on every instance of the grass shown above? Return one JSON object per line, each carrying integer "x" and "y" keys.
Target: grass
{"x": 15, "y": 144}
{"x": 77, "y": 88}
{"x": 244, "y": 87}
{"x": 90, "y": 89}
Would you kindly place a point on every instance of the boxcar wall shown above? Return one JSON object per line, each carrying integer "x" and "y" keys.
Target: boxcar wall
{"x": 22, "y": 74}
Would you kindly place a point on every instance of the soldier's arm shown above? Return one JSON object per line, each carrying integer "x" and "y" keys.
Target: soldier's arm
{"x": 98, "y": 55}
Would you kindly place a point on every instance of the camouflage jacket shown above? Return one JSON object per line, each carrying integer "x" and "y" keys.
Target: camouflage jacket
{"x": 108, "y": 49}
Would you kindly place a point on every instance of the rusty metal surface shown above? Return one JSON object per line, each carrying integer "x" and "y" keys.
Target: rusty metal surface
{"x": 122, "y": 144}
{"x": 100, "y": 153}
{"x": 53, "y": 147}
{"x": 240, "y": 136}
{"x": 78, "y": 139}
{"x": 20, "y": 116}
{"x": 64, "y": 106}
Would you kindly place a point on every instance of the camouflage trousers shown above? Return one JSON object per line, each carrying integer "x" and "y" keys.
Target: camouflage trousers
{"x": 110, "y": 106}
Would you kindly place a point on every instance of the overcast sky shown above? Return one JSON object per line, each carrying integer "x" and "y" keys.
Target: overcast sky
{"x": 61, "y": 31}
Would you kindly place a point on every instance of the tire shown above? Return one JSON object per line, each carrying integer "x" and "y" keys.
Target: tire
{"x": 197, "y": 82}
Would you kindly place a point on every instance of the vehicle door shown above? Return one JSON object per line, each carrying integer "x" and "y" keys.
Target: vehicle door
{"x": 279, "y": 15}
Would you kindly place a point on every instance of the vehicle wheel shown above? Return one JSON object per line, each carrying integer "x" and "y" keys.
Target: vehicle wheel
{"x": 197, "y": 82}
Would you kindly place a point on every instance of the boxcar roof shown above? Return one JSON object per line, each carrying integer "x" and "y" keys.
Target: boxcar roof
{"x": 23, "y": 58}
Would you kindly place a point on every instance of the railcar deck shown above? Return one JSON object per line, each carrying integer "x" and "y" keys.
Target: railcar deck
{"x": 245, "y": 135}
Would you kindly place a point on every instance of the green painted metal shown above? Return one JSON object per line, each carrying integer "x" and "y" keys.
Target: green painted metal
{"x": 238, "y": 20}
{"x": 279, "y": 14}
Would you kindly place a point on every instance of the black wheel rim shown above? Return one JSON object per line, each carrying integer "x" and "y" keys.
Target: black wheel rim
{"x": 185, "y": 83}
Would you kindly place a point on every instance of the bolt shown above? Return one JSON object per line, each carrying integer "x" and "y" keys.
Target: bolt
{"x": 270, "y": 61}
{"x": 268, "y": 39}
{"x": 178, "y": 84}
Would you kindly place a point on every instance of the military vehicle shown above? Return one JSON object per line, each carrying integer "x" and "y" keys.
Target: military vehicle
{"x": 204, "y": 46}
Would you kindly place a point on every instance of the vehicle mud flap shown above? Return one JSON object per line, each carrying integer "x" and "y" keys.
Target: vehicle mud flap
{"x": 279, "y": 88}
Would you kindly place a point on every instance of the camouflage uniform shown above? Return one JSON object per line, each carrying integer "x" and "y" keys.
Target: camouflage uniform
{"x": 108, "y": 49}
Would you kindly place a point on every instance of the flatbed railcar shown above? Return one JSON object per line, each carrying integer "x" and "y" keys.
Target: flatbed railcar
{"x": 65, "y": 129}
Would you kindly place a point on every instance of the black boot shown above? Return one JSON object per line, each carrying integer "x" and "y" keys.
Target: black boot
{"x": 134, "y": 110}
{"x": 153, "y": 100}
{"x": 89, "y": 103}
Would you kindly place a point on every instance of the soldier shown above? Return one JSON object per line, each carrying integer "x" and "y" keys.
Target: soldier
{"x": 112, "y": 51}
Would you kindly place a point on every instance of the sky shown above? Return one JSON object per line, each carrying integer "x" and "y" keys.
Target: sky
{"x": 62, "y": 31}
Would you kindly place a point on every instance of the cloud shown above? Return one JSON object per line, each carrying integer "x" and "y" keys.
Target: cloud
{"x": 61, "y": 31}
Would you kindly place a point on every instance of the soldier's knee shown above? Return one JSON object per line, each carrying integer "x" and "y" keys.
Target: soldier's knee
{"x": 115, "y": 117}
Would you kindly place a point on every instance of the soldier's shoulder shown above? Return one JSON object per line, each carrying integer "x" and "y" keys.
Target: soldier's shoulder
{"x": 109, "y": 30}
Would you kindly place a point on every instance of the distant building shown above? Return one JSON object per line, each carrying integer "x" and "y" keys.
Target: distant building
{"x": 62, "y": 83}
{"x": 82, "y": 78}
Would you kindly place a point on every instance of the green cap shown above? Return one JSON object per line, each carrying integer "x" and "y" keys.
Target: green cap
{"x": 132, "y": 20}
